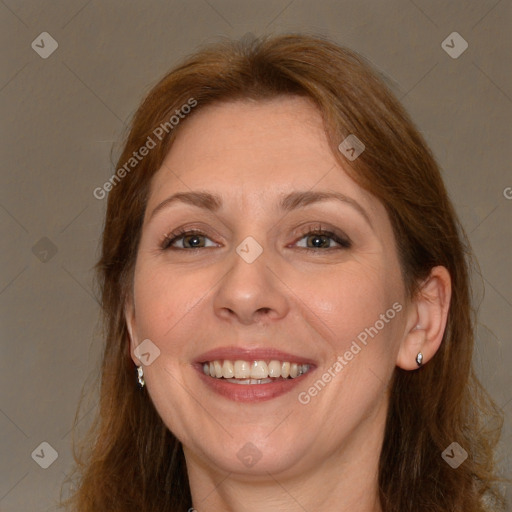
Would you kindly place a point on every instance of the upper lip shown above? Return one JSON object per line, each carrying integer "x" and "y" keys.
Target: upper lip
{"x": 251, "y": 354}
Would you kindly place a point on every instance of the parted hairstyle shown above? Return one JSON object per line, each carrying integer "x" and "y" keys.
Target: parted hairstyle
{"x": 130, "y": 461}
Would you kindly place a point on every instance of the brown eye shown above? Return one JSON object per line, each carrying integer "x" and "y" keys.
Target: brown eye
{"x": 191, "y": 239}
{"x": 319, "y": 239}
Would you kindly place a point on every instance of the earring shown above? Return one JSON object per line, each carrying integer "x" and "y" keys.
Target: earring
{"x": 419, "y": 359}
{"x": 140, "y": 377}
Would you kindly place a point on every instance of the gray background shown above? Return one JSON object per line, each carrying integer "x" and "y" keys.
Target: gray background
{"x": 62, "y": 115}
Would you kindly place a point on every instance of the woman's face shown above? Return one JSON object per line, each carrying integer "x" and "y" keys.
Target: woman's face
{"x": 260, "y": 290}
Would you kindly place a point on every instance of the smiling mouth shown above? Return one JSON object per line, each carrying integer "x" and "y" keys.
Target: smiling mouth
{"x": 254, "y": 372}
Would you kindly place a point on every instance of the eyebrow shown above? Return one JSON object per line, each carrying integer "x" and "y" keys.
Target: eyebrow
{"x": 290, "y": 202}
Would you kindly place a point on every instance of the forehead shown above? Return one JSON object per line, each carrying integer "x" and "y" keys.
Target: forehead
{"x": 254, "y": 150}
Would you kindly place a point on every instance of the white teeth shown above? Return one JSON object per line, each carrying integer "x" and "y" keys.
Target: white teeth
{"x": 218, "y": 369}
{"x": 259, "y": 370}
{"x": 254, "y": 372}
{"x": 274, "y": 369}
{"x": 228, "y": 370}
{"x": 242, "y": 370}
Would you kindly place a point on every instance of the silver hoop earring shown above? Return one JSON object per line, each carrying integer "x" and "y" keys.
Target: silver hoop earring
{"x": 140, "y": 377}
{"x": 419, "y": 359}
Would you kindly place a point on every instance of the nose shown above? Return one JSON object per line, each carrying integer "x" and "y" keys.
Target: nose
{"x": 251, "y": 292}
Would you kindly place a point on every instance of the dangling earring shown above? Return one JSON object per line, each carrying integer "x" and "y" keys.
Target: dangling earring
{"x": 419, "y": 359}
{"x": 140, "y": 377}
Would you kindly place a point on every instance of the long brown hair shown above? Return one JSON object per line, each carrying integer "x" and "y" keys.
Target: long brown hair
{"x": 130, "y": 461}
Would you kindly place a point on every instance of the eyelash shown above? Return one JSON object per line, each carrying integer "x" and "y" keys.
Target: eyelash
{"x": 344, "y": 242}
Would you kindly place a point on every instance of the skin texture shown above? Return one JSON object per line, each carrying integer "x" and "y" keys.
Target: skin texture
{"x": 323, "y": 454}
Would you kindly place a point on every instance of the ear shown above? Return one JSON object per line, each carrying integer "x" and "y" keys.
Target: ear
{"x": 426, "y": 320}
{"x": 129, "y": 316}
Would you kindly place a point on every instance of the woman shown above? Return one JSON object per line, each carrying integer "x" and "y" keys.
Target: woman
{"x": 286, "y": 295}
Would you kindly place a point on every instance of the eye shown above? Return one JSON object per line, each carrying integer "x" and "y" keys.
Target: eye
{"x": 191, "y": 239}
{"x": 195, "y": 239}
{"x": 318, "y": 238}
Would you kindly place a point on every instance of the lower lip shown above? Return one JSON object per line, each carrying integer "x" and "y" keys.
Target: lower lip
{"x": 251, "y": 392}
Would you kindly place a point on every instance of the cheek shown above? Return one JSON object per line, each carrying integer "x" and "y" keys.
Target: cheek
{"x": 349, "y": 299}
{"x": 355, "y": 310}
{"x": 163, "y": 300}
